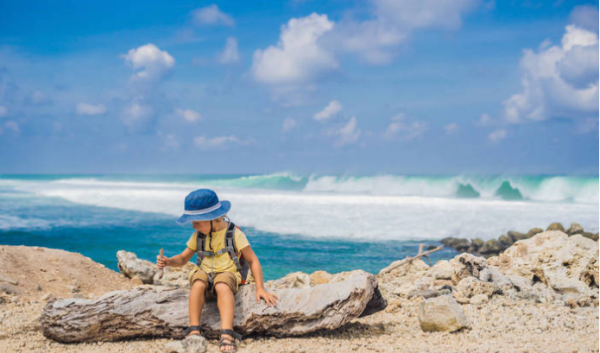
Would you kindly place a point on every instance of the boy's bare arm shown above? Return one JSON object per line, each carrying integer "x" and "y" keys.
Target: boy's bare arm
{"x": 256, "y": 269}
{"x": 175, "y": 261}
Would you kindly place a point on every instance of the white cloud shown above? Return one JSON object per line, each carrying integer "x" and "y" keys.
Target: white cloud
{"x": 585, "y": 17}
{"x": 484, "y": 119}
{"x": 230, "y": 52}
{"x": 150, "y": 63}
{"x": 3, "y": 111}
{"x": 298, "y": 57}
{"x": 90, "y": 109}
{"x": 188, "y": 115}
{"x": 329, "y": 111}
{"x": 401, "y": 127}
{"x": 288, "y": 124}
{"x": 391, "y": 22}
{"x": 451, "y": 128}
{"x": 558, "y": 81}
{"x": 216, "y": 142}
{"x": 137, "y": 115}
{"x": 347, "y": 134}
{"x": 212, "y": 15}
{"x": 497, "y": 135}
{"x": 12, "y": 125}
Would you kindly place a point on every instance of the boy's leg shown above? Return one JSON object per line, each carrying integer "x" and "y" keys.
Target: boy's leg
{"x": 197, "y": 297}
{"x": 225, "y": 286}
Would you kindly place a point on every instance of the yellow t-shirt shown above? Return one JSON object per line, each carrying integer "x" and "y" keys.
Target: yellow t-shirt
{"x": 219, "y": 263}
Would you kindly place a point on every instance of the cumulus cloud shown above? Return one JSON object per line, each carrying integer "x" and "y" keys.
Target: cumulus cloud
{"x": 189, "y": 115}
{"x": 403, "y": 128}
{"x": 3, "y": 111}
{"x": 230, "y": 53}
{"x": 150, "y": 63}
{"x": 329, "y": 111}
{"x": 220, "y": 142}
{"x": 559, "y": 81}
{"x": 90, "y": 109}
{"x": 497, "y": 135}
{"x": 392, "y": 21}
{"x": 585, "y": 16}
{"x": 298, "y": 57}
{"x": 288, "y": 124}
{"x": 348, "y": 134}
{"x": 451, "y": 128}
{"x": 212, "y": 15}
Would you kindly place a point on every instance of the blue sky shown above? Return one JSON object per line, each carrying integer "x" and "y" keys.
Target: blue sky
{"x": 366, "y": 87}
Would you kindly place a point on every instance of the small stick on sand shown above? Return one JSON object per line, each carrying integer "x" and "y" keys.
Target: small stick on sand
{"x": 409, "y": 259}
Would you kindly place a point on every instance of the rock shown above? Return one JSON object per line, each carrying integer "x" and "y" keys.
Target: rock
{"x": 38, "y": 287}
{"x": 442, "y": 314}
{"x": 191, "y": 344}
{"x": 442, "y": 270}
{"x": 9, "y": 289}
{"x": 428, "y": 293}
{"x": 48, "y": 297}
{"x": 9, "y": 280}
{"x": 575, "y": 228}
{"x": 534, "y": 231}
{"x": 505, "y": 240}
{"x": 556, "y": 226}
{"x": 159, "y": 311}
{"x": 477, "y": 242}
{"x": 174, "y": 276}
{"x": 470, "y": 287}
{"x": 479, "y": 299}
{"x": 137, "y": 281}
{"x": 490, "y": 247}
{"x": 131, "y": 266}
{"x": 516, "y": 236}
{"x": 590, "y": 235}
{"x": 467, "y": 265}
{"x": 291, "y": 280}
{"x": 568, "y": 265}
{"x": 459, "y": 244}
{"x": 320, "y": 277}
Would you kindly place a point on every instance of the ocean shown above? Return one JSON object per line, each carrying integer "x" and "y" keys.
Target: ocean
{"x": 294, "y": 222}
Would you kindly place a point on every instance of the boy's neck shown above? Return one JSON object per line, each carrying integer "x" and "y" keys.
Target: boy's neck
{"x": 219, "y": 227}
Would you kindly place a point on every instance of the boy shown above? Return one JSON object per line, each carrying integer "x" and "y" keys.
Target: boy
{"x": 217, "y": 274}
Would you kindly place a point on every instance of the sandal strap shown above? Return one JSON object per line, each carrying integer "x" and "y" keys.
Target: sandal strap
{"x": 232, "y": 333}
{"x": 190, "y": 329}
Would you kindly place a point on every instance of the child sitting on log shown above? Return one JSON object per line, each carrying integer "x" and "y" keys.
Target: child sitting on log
{"x": 219, "y": 260}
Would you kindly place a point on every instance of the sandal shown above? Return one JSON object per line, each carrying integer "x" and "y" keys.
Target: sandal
{"x": 188, "y": 330}
{"x": 226, "y": 341}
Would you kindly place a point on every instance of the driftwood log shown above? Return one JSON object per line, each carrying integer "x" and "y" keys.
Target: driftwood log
{"x": 159, "y": 311}
{"x": 409, "y": 259}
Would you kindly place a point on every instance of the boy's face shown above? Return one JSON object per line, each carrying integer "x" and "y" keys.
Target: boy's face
{"x": 201, "y": 226}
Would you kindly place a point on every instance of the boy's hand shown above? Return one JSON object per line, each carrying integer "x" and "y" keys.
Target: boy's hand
{"x": 161, "y": 262}
{"x": 270, "y": 298}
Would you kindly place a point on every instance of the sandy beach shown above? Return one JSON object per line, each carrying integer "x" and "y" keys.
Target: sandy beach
{"x": 504, "y": 323}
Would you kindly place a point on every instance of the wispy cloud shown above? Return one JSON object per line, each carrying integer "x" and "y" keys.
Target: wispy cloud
{"x": 497, "y": 135}
{"x": 348, "y": 134}
{"x": 230, "y": 53}
{"x": 329, "y": 111}
{"x": 90, "y": 109}
{"x": 288, "y": 125}
{"x": 212, "y": 15}
{"x": 189, "y": 115}
{"x": 220, "y": 142}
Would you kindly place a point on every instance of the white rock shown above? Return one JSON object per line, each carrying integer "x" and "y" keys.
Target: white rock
{"x": 191, "y": 344}
{"x": 442, "y": 313}
{"x": 442, "y": 270}
{"x": 479, "y": 299}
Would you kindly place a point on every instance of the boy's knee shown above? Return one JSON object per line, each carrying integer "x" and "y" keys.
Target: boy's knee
{"x": 199, "y": 284}
{"x": 222, "y": 287}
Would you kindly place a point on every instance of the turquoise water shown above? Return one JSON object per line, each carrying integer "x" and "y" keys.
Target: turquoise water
{"x": 294, "y": 223}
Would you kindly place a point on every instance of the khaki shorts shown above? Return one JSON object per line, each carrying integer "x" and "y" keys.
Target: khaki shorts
{"x": 221, "y": 277}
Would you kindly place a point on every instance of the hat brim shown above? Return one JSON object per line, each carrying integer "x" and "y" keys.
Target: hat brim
{"x": 221, "y": 211}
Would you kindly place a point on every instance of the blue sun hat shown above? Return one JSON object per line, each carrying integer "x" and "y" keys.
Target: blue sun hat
{"x": 203, "y": 205}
